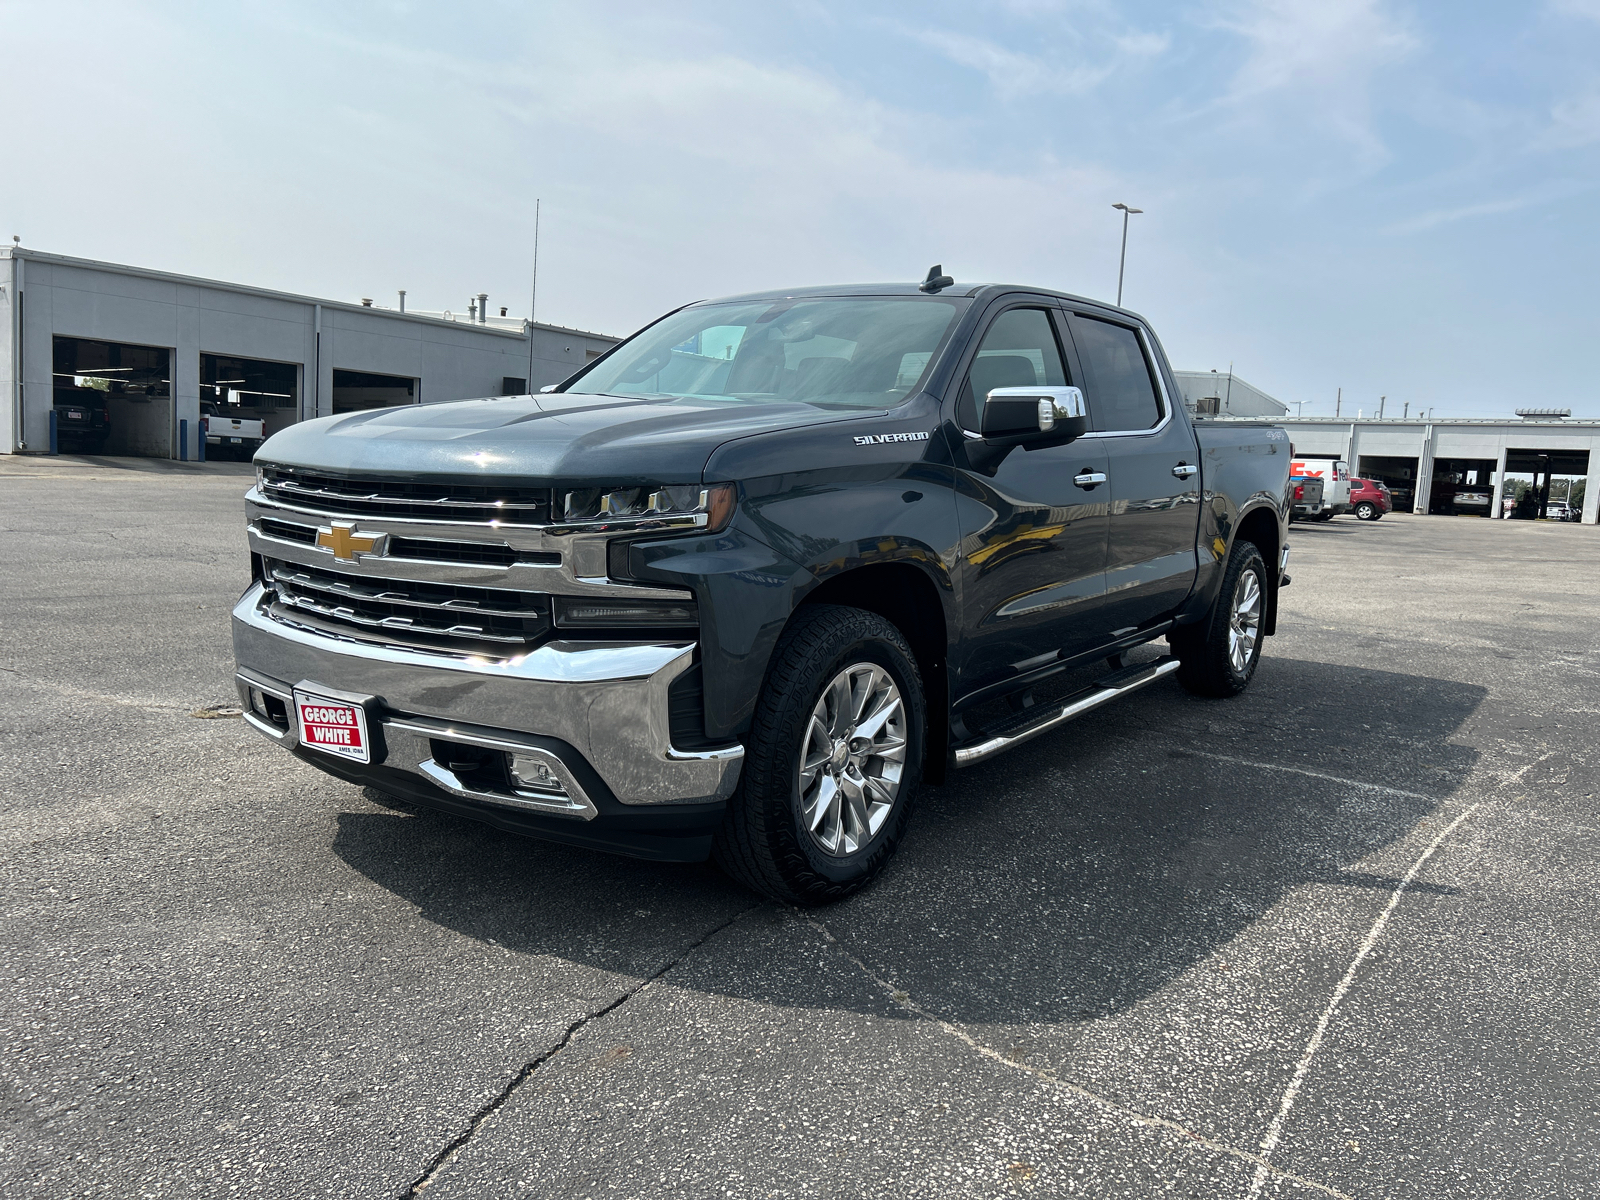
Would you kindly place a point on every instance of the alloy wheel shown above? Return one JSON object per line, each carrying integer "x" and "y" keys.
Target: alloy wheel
{"x": 1244, "y": 621}
{"x": 852, "y": 756}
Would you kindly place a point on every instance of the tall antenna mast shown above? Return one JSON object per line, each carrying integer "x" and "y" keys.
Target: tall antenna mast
{"x": 533, "y": 303}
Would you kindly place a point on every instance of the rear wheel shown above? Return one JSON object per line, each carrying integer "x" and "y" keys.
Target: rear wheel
{"x": 833, "y": 763}
{"x": 1218, "y": 656}
{"x": 1367, "y": 511}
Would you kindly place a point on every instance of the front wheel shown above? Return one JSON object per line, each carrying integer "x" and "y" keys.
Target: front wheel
{"x": 1218, "y": 655}
{"x": 834, "y": 758}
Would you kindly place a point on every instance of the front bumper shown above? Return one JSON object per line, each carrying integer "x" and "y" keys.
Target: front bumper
{"x": 595, "y": 713}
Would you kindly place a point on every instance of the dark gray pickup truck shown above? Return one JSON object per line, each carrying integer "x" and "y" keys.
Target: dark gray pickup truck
{"x": 743, "y": 584}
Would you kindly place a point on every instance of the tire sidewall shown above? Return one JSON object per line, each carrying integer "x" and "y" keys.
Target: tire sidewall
{"x": 763, "y": 841}
{"x": 867, "y": 860}
{"x": 1367, "y": 511}
{"x": 1251, "y": 561}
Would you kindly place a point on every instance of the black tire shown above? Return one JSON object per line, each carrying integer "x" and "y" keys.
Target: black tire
{"x": 1367, "y": 511}
{"x": 762, "y": 842}
{"x": 1205, "y": 649}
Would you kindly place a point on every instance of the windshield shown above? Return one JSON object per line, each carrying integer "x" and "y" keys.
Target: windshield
{"x": 832, "y": 352}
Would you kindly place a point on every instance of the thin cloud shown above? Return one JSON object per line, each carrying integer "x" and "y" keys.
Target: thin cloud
{"x": 1573, "y": 122}
{"x": 1010, "y": 73}
{"x": 1577, "y": 8}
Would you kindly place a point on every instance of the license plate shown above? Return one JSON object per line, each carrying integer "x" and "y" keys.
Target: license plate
{"x": 235, "y": 441}
{"x": 72, "y": 416}
{"x": 334, "y": 726}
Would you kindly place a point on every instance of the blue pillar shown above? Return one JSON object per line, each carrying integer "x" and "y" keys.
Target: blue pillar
{"x": 183, "y": 440}
{"x": 200, "y": 442}
{"x": 53, "y": 444}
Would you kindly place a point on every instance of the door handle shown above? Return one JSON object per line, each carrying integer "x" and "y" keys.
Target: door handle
{"x": 1184, "y": 470}
{"x": 1088, "y": 480}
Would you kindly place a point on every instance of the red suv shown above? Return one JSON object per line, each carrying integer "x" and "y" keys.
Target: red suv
{"x": 1369, "y": 499}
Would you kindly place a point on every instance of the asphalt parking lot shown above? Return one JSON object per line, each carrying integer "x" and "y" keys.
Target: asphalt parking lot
{"x": 1338, "y": 937}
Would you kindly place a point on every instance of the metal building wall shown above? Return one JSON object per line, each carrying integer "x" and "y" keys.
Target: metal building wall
{"x": 69, "y": 297}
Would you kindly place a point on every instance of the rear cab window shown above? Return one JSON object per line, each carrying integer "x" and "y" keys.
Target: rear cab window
{"x": 1118, "y": 381}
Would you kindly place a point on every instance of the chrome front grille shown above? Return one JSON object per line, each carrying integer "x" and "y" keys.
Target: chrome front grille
{"x": 447, "y": 618}
{"x": 425, "y": 566}
{"x": 495, "y": 503}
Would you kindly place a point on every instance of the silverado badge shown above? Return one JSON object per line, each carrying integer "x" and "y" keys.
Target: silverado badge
{"x": 348, "y": 545}
{"x": 878, "y": 439}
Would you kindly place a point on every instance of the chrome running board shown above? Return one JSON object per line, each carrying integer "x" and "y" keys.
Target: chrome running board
{"x": 1028, "y": 725}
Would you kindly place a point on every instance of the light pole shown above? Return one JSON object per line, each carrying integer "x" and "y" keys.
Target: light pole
{"x": 1122, "y": 265}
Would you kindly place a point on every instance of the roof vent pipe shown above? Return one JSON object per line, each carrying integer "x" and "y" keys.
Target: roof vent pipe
{"x": 402, "y": 299}
{"x": 472, "y": 312}
{"x": 483, "y": 308}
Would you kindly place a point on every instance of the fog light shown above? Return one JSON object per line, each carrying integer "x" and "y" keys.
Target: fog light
{"x": 535, "y": 775}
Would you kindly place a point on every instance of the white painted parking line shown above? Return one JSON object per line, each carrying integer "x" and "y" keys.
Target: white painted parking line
{"x": 1269, "y": 1141}
{"x": 1358, "y": 783}
{"x": 1188, "y": 1137}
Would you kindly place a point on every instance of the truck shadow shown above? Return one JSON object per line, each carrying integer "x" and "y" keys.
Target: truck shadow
{"x": 1067, "y": 880}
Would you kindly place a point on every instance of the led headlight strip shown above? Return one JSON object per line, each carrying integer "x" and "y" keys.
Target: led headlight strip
{"x": 708, "y": 506}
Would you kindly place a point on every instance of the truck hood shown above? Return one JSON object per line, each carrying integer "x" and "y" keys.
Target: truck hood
{"x": 574, "y": 438}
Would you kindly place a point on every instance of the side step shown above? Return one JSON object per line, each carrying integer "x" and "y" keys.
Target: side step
{"x": 1031, "y": 725}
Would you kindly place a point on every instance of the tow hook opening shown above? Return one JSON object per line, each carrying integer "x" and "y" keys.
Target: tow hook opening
{"x": 270, "y": 709}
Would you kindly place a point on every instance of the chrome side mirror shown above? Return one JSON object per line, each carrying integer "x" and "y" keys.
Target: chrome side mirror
{"x": 1033, "y": 413}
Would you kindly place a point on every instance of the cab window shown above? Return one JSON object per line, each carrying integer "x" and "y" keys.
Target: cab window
{"x": 1019, "y": 350}
{"x": 1117, "y": 382}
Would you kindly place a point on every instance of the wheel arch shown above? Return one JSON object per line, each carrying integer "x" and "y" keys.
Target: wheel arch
{"x": 906, "y": 596}
{"x": 1261, "y": 526}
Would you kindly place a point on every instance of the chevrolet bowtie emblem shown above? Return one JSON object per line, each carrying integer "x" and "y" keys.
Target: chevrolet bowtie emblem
{"x": 347, "y": 545}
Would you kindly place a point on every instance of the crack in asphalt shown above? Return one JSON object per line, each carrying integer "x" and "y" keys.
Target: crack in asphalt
{"x": 1190, "y": 1138}
{"x": 447, "y": 1155}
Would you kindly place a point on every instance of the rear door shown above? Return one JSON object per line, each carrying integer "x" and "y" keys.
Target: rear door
{"x": 1033, "y": 524}
{"x": 1153, "y": 463}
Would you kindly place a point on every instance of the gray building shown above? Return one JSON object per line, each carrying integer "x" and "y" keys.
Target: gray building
{"x": 1218, "y": 393}
{"x": 146, "y": 349}
{"x": 1456, "y": 465}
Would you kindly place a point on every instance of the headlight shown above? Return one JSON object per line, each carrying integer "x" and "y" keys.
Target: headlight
{"x": 261, "y": 476}
{"x": 700, "y": 506}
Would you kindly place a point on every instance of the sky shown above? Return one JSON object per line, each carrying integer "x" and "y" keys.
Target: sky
{"x": 1386, "y": 198}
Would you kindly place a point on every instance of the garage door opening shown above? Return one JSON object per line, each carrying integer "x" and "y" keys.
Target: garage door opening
{"x": 112, "y": 398}
{"x": 1462, "y": 487}
{"x": 356, "y": 390}
{"x": 1399, "y": 475}
{"x": 1552, "y": 487}
{"x": 264, "y": 396}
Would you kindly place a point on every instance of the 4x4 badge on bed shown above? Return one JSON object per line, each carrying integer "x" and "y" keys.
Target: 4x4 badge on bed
{"x": 348, "y": 545}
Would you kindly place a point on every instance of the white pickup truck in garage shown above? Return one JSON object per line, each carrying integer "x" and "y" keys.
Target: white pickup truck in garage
{"x": 227, "y": 434}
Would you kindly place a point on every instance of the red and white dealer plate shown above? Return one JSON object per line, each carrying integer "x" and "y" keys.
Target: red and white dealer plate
{"x": 334, "y": 726}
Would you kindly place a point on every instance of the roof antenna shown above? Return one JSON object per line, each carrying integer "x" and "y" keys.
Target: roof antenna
{"x": 936, "y": 279}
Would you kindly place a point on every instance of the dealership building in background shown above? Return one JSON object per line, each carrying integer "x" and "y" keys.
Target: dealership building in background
{"x": 151, "y": 347}
{"x": 1459, "y": 465}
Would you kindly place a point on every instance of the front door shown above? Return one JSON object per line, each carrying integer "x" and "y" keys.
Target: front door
{"x": 1153, "y": 463}
{"x": 1033, "y": 523}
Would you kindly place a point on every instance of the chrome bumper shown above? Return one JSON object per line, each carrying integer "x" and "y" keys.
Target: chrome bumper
{"x": 606, "y": 701}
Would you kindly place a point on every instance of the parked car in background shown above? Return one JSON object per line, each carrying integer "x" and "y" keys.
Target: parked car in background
{"x": 82, "y": 422}
{"x": 1305, "y": 499}
{"x": 1560, "y": 510}
{"x": 229, "y": 434}
{"x": 1335, "y": 475}
{"x": 1369, "y": 499}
